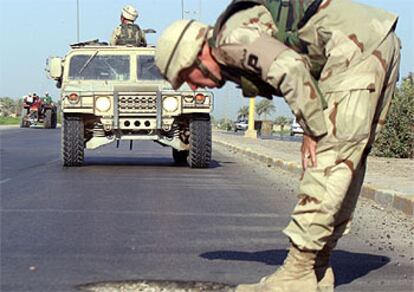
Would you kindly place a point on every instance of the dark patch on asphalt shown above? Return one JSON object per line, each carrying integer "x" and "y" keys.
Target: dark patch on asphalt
{"x": 156, "y": 286}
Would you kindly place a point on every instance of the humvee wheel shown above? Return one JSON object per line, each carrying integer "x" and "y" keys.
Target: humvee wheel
{"x": 72, "y": 141}
{"x": 180, "y": 157}
{"x": 47, "y": 122}
{"x": 200, "y": 142}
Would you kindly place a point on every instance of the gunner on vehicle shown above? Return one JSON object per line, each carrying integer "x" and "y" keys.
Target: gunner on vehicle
{"x": 128, "y": 33}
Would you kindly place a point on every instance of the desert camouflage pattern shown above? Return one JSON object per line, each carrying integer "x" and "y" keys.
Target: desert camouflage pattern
{"x": 246, "y": 42}
{"x": 352, "y": 65}
{"x": 128, "y": 34}
{"x": 357, "y": 107}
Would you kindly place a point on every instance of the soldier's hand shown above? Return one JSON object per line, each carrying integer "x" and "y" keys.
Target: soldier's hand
{"x": 308, "y": 150}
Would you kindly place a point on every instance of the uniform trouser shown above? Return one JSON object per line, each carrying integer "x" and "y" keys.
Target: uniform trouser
{"x": 356, "y": 112}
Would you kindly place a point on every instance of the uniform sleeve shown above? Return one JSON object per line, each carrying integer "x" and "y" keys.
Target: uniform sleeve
{"x": 114, "y": 36}
{"x": 141, "y": 38}
{"x": 285, "y": 70}
{"x": 288, "y": 73}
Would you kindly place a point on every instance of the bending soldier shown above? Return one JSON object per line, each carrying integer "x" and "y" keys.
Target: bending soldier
{"x": 336, "y": 64}
{"x": 128, "y": 33}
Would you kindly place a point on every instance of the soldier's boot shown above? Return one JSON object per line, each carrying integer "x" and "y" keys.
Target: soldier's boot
{"x": 323, "y": 270}
{"x": 326, "y": 279}
{"x": 295, "y": 275}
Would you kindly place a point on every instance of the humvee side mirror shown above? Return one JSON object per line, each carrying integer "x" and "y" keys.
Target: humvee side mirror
{"x": 54, "y": 67}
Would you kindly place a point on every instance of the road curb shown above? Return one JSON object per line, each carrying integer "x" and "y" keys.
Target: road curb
{"x": 5, "y": 127}
{"x": 385, "y": 198}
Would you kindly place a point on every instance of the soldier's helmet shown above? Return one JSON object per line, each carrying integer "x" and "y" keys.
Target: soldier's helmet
{"x": 129, "y": 12}
{"x": 178, "y": 48}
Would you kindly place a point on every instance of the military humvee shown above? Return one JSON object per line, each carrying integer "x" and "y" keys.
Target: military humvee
{"x": 114, "y": 93}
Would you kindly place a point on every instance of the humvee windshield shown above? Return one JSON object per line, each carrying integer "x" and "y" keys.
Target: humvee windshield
{"x": 102, "y": 67}
{"x": 146, "y": 68}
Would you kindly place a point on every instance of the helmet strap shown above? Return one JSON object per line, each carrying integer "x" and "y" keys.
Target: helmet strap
{"x": 207, "y": 73}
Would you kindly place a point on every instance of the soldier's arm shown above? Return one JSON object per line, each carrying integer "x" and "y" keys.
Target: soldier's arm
{"x": 289, "y": 73}
{"x": 143, "y": 39}
{"x": 285, "y": 70}
{"x": 114, "y": 36}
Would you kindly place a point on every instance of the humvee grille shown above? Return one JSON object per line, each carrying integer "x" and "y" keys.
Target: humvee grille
{"x": 137, "y": 104}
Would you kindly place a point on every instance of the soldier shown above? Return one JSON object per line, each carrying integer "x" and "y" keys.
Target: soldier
{"x": 336, "y": 64}
{"x": 128, "y": 33}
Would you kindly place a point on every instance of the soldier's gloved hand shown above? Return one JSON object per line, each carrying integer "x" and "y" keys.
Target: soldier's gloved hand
{"x": 308, "y": 151}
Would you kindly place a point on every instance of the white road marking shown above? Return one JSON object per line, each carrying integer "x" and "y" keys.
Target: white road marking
{"x": 4, "y": 180}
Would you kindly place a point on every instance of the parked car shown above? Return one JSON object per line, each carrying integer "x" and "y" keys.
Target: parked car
{"x": 241, "y": 125}
{"x": 295, "y": 128}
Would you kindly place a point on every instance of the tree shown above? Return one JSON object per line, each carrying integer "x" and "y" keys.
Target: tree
{"x": 265, "y": 107}
{"x": 282, "y": 121}
{"x": 397, "y": 137}
{"x": 224, "y": 124}
{"x": 8, "y": 106}
{"x": 243, "y": 113}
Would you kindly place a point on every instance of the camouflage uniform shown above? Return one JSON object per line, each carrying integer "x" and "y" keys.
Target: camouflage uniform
{"x": 336, "y": 63}
{"x": 128, "y": 34}
{"x": 339, "y": 89}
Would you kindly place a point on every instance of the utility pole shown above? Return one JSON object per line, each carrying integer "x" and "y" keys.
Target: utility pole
{"x": 199, "y": 10}
{"x": 251, "y": 132}
{"x": 226, "y": 98}
{"x": 182, "y": 9}
{"x": 77, "y": 19}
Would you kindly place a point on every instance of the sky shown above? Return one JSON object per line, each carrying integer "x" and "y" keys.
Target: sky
{"x": 31, "y": 31}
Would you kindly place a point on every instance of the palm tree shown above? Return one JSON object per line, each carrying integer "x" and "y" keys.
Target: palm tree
{"x": 265, "y": 107}
{"x": 282, "y": 121}
{"x": 243, "y": 113}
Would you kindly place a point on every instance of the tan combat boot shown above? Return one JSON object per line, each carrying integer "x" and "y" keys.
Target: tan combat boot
{"x": 295, "y": 275}
{"x": 323, "y": 270}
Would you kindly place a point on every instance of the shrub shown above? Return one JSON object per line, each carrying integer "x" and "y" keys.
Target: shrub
{"x": 224, "y": 124}
{"x": 397, "y": 137}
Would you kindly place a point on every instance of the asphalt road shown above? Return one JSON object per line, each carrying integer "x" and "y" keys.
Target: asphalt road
{"x": 134, "y": 215}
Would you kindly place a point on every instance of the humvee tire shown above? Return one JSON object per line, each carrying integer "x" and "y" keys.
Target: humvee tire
{"x": 72, "y": 141}
{"x": 180, "y": 157}
{"x": 200, "y": 142}
{"x": 47, "y": 122}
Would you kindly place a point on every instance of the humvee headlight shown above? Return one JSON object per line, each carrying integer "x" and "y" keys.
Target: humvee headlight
{"x": 170, "y": 104}
{"x": 103, "y": 103}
